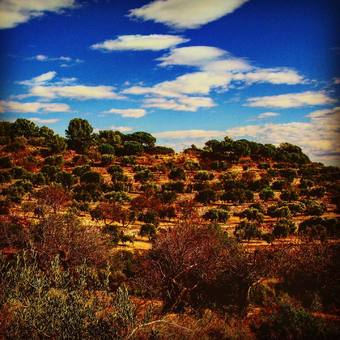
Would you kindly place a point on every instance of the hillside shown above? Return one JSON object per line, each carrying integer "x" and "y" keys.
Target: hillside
{"x": 238, "y": 212}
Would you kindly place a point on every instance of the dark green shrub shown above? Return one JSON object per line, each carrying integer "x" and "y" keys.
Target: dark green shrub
{"x": 267, "y": 194}
{"x": 5, "y": 162}
{"x": 91, "y": 177}
{"x": 107, "y": 149}
{"x": 206, "y": 196}
{"x": 284, "y": 228}
{"x": 81, "y": 170}
{"x": 177, "y": 174}
{"x": 203, "y": 176}
{"x": 217, "y": 215}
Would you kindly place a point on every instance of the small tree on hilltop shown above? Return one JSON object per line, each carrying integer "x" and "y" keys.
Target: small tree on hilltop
{"x": 79, "y": 135}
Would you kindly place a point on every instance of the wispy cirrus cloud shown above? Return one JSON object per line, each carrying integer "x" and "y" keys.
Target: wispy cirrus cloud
{"x": 42, "y": 87}
{"x": 127, "y": 113}
{"x": 121, "y": 128}
{"x": 291, "y": 100}
{"x": 192, "y": 56}
{"x": 183, "y": 103}
{"x": 138, "y": 42}
{"x": 15, "y": 12}
{"x": 44, "y": 121}
{"x": 80, "y": 92}
{"x": 186, "y": 14}
{"x": 265, "y": 115}
{"x": 63, "y": 60}
{"x": 41, "y": 79}
{"x": 32, "y": 107}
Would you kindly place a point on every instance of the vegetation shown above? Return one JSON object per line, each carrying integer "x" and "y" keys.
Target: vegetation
{"x": 110, "y": 236}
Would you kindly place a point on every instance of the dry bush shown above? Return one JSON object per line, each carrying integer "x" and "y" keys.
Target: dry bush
{"x": 195, "y": 265}
{"x": 53, "y": 197}
{"x": 64, "y": 235}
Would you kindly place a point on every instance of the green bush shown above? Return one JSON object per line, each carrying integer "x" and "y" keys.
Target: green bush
{"x": 5, "y": 162}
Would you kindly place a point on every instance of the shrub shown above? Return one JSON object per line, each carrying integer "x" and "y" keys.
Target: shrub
{"x": 194, "y": 265}
{"x": 217, "y": 215}
{"x": 107, "y": 160}
{"x": 54, "y": 160}
{"x": 5, "y": 162}
{"x": 56, "y": 144}
{"x": 286, "y": 321}
{"x": 267, "y": 194}
{"x": 91, "y": 177}
{"x": 128, "y": 160}
{"x": 65, "y": 179}
{"x": 284, "y": 228}
{"x": 247, "y": 230}
{"x": 289, "y": 195}
{"x": 106, "y": 149}
{"x": 61, "y": 304}
{"x": 5, "y": 176}
{"x": 177, "y": 186}
{"x": 53, "y": 197}
{"x": 206, "y": 196}
{"x": 177, "y": 174}
{"x": 52, "y": 236}
{"x": 314, "y": 208}
{"x": 252, "y": 214}
{"x": 50, "y": 172}
{"x": 80, "y": 170}
{"x": 78, "y": 134}
{"x": 143, "y": 175}
{"x": 203, "y": 176}
{"x": 148, "y": 230}
{"x": 238, "y": 196}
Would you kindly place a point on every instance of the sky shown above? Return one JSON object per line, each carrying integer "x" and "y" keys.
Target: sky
{"x": 184, "y": 70}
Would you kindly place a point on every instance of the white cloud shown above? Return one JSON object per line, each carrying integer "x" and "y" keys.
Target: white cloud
{"x": 32, "y": 107}
{"x": 186, "y": 14}
{"x": 183, "y": 103}
{"x": 227, "y": 65}
{"x": 121, "y": 128}
{"x": 44, "y": 121}
{"x": 319, "y": 137}
{"x": 137, "y": 42}
{"x": 15, "y": 12}
{"x": 43, "y": 78}
{"x": 40, "y": 57}
{"x": 128, "y": 113}
{"x": 192, "y": 56}
{"x": 322, "y": 114}
{"x": 190, "y": 83}
{"x": 63, "y": 59}
{"x": 273, "y": 76}
{"x": 265, "y": 115}
{"x": 81, "y": 92}
{"x": 217, "y": 71}
{"x": 290, "y": 100}
{"x": 189, "y": 134}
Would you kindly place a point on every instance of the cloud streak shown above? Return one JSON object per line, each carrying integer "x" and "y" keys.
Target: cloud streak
{"x": 128, "y": 113}
{"x": 33, "y": 107}
{"x": 137, "y": 42}
{"x": 15, "y": 12}
{"x": 186, "y": 14}
{"x": 291, "y": 100}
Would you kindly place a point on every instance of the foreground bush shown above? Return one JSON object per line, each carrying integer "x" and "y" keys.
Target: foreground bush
{"x": 61, "y": 304}
{"x": 195, "y": 265}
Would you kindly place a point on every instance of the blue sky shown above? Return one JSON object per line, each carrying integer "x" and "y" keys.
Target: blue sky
{"x": 185, "y": 70}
